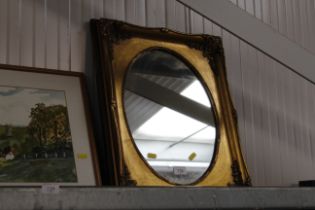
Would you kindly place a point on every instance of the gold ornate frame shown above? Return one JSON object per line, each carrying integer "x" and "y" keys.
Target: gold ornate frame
{"x": 118, "y": 43}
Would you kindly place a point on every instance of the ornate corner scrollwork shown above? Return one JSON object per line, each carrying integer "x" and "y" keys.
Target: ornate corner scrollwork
{"x": 111, "y": 30}
{"x": 125, "y": 178}
{"x": 248, "y": 182}
{"x": 211, "y": 47}
{"x": 165, "y": 30}
{"x": 236, "y": 173}
{"x": 235, "y": 116}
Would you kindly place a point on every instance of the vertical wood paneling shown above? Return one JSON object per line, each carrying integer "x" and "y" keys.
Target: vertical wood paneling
{"x": 98, "y": 6}
{"x": 52, "y": 35}
{"x": 109, "y": 9}
{"x": 4, "y": 30}
{"x": 242, "y": 52}
{"x": 268, "y": 91}
{"x": 231, "y": 51}
{"x": 299, "y": 140}
{"x": 63, "y": 35}
{"x": 187, "y": 20}
{"x": 258, "y": 9}
{"x": 175, "y": 16}
{"x": 273, "y": 6}
{"x": 311, "y": 23}
{"x": 216, "y": 30}
{"x": 292, "y": 18}
{"x": 261, "y": 126}
{"x": 266, "y": 17}
{"x": 208, "y": 26}
{"x": 263, "y": 93}
{"x": 241, "y": 4}
{"x": 289, "y": 19}
{"x": 135, "y": 12}
{"x": 308, "y": 170}
{"x": 40, "y": 34}
{"x": 303, "y": 22}
{"x": 311, "y": 124}
{"x": 284, "y": 121}
{"x": 235, "y": 79}
{"x": 275, "y": 121}
{"x": 292, "y": 108}
{"x": 249, "y": 7}
{"x": 155, "y": 13}
{"x": 196, "y": 22}
{"x": 282, "y": 16}
{"x": 114, "y": 9}
{"x": 247, "y": 63}
{"x": 14, "y": 27}
{"x": 26, "y": 34}
{"x": 120, "y": 9}
{"x": 77, "y": 36}
{"x": 256, "y": 139}
{"x": 275, "y": 107}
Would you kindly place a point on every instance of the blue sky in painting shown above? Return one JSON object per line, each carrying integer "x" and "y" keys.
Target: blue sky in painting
{"x": 16, "y": 103}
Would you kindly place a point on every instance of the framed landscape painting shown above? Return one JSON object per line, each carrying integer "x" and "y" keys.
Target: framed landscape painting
{"x": 45, "y": 134}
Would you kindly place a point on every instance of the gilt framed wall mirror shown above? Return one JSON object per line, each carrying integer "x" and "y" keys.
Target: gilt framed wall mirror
{"x": 166, "y": 108}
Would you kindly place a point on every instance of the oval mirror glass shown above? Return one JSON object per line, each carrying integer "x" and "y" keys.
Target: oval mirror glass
{"x": 170, "y": 116}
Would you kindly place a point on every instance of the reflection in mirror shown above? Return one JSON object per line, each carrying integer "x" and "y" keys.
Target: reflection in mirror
{"x": 169, "y": 116}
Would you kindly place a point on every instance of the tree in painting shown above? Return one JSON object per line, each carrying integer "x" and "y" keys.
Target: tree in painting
{"x": 49, "y": 127}
{"x": 36, "y": 147}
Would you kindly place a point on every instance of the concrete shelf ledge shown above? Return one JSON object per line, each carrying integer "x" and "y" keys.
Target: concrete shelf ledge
{"x": 156, "y": 198}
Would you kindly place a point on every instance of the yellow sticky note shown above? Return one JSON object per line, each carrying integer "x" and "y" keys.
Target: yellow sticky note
{"x": 82, "y": 155}
{"x": 151, "y": 155}
{"x": 192, "y": 156}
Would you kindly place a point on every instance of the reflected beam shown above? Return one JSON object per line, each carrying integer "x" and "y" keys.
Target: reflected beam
{"x": 169, "y": 98}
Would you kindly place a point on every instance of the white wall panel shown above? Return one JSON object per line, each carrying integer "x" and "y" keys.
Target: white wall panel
{"x": 114, "y": 9}
{"x": 63, "y": 30}
{"x": 294, "y": 19}
{"x": 77, "y": 36}
{"x": 4, "y": 30}
{"x": 135, "y": 12}
{"x": 155, "y": 13}
{"x": 27, "y": 33}
{"x": 52, "y": 35}
{"x": 235, "y": 79}
{"x": 40, "y": 24}
{"x": 276, "y": 114}
{"x": 241, "y": 4}
{"x": 258, "y": 9}
{"x": 175, "y": 16}
{"x": 196, "y": 23}
{"x": 14, "y": 29}
{"x": 249, "y": 6}
{"x": 282, "y": 16}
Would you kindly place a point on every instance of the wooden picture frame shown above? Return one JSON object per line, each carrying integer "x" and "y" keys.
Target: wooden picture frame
{"x": 119, "y": 45}
{"x": 45, "y": 129}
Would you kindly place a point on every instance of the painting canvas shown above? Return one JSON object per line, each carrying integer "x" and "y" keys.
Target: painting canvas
{"x": 35, "y": 136}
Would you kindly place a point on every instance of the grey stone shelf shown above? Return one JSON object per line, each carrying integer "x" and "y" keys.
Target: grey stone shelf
{"x": 157, "y": 198}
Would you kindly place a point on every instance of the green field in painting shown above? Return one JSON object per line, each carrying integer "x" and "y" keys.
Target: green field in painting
{"x": 17, "y": 139}
{"x": 38, "y": 170}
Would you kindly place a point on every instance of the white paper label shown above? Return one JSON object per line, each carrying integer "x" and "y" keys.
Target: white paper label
{"x": 50, "y": 189}
{"x": 179, "y": 171}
